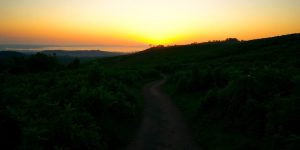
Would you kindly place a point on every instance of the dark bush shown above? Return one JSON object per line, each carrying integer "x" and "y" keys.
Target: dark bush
{"x": 194, "y": 81}
{"x": 74, "y": 64}
{"x": 10, "y": 132}
{"x": 273, "y": 83}
{"x": 41, "y": 62}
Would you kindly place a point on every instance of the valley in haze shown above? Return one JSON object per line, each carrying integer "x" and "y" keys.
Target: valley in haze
{"x": 62, "y": 56}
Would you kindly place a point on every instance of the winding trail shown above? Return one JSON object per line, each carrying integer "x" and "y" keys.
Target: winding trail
{"x": 163, "y": 127}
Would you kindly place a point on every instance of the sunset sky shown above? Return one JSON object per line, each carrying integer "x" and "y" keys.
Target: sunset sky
{"x": 143, "y": 22}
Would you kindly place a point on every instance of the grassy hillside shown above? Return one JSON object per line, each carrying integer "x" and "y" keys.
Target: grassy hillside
{"x": 198, "y": 53}
{"x": 235, "y": 95}
{"x": 238, "y": 95}
{"x": 244, "y": 97}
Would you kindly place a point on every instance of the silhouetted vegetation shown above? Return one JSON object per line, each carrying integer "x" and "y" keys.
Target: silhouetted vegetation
{"x": 45, "y": 105}
{"x": 235, "y": 95}
{"x": 74, "y": 64}
{"x": 245, "y": 100}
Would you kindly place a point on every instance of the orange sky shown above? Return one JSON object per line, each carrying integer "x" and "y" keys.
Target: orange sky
{"x": 136, "y": 22}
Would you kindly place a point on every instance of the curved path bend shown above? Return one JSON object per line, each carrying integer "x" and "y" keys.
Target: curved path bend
{"x": 163, "y": 127}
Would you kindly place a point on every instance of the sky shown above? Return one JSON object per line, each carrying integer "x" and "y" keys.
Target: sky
{"x": 143, "y": 22}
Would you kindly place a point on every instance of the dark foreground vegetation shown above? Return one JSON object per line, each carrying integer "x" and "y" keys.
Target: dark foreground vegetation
{"x": 46, "y": 105}
{"x": 235, "y": 95}
{"x": 243, "y": 95}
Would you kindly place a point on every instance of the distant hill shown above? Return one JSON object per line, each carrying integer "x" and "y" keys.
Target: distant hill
{"x": 63, "y": 56}
{"x": 82, "y": 53}
{"x": 6, "y": 56}
{"x": 67, "y": 57}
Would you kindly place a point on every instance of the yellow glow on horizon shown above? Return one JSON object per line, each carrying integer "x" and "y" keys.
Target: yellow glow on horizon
{"x": 136, "y": 22}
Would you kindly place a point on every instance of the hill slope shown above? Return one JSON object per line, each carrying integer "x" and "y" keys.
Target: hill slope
{"x": 241, "y": 95}
{"x": 284, "y": 47}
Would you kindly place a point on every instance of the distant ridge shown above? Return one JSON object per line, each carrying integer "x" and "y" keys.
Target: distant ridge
{"x": 82, "y": 53}
{"x": 289, "y": 38}
{"x": 10, "y": 54}
{"x": 6, "y": 56}
{"x": 63, "y": 56}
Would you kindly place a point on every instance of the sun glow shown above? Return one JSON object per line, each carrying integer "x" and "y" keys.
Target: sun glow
{"x": 158, "y": 34}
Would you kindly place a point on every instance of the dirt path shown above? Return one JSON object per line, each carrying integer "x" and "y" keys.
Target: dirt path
{"x": 163, "y": 127}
